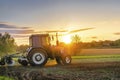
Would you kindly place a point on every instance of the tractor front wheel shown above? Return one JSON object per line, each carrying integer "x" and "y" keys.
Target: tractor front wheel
{"x": 66, "y": 60}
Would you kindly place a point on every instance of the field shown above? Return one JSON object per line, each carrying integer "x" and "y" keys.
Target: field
{"x": 91, "y": 64}
{"x": 89, "y": 52}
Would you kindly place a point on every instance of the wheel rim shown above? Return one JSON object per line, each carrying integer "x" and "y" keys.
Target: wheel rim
{"x": 38, "y": 58}
{"x": 67, "y": 59}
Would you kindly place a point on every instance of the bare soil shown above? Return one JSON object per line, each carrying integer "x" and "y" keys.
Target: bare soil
{"x": 76, "y": 71}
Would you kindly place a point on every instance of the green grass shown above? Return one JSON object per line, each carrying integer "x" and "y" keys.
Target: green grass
{"x": 5, "y": 78}
{"x": 96, "y": 58}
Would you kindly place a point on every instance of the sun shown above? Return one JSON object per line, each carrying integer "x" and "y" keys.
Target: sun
{"x": 67, "y": 39}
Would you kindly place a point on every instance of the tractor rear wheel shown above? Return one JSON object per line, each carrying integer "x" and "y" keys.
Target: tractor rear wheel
{"x": 37, "y": 57}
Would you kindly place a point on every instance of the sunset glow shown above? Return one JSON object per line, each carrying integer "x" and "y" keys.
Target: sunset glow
{"x": 23, "y": 18}
{"x": 67, "y": 39}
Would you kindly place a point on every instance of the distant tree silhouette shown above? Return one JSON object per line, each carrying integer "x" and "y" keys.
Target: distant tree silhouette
{"x": 22, "y": 48}
{"x": 75, "y": 39}
{"x": 75, "y": 46}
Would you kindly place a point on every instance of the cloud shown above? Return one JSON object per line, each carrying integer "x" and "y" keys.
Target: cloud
{"x": 117, "y": 33}
{"x": 94, "y": 37}
{"x": 20, "y": 31}
{"x": 20, "y": 36}
{"x": 78, "y": 30}
{"x": 9, "y": 26}
{"x": 25, "y": 31}
{"x": 12, "y": 29}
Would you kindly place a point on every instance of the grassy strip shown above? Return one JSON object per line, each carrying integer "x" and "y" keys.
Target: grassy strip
{"x": 5, "y": 78}
{"x": 96, "y": 56}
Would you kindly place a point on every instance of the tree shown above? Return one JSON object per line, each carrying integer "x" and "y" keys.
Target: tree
{"x": 22, "y": 48}
{"x": 7, "y": 44}
{"x": 76, "y": 39}
{"x": 75, "y": 47}
{"x": 117, "y": 43}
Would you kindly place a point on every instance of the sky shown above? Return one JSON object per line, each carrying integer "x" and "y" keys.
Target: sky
{"x": 21, "y": 18}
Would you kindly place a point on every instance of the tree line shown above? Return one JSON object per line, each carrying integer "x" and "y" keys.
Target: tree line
{"x": 76, "y": 40}
{"x": 8, "y": 45}
{"x": 100, "y": 44}
{"x": 77, "y": 45}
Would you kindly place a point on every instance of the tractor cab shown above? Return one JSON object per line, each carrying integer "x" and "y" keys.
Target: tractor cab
{"x": 39, "y": 40}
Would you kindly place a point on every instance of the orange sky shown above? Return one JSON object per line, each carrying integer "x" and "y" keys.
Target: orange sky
{"x": 23, "y": 18}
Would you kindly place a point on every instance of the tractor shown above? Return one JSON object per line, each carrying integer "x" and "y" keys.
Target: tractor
{"x": 41, "y": 51}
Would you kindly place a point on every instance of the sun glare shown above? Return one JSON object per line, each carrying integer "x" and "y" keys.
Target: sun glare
{"x": 67, "y": 39}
